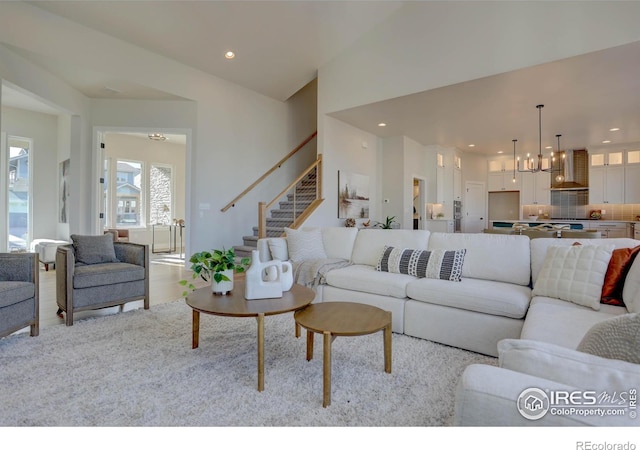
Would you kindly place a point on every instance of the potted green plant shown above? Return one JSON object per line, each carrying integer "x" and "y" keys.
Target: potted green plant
{"x": 387, "y": 224}
{"x": 217, "y": 266}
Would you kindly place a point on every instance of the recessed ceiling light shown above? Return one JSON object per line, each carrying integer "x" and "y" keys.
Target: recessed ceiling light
{"x": 606, "y": 142}
{"x": 472, "y": 145}
{"x": 548, "y": 147}
{"x": 614, "y": 129}
{"x": 500, "y": 152}
{"x": 229, "y": 55}
{"x": 382, "y": 124}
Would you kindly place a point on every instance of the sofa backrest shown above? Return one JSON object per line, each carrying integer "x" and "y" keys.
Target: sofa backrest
{"x": 337, "y": 242}
{"x": 540, "y": 246}
{"x": 370, "y": 243}
{"x": 496, "y": 257}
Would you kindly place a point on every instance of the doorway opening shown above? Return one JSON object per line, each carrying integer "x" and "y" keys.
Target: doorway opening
{"x": 418, "y": 203}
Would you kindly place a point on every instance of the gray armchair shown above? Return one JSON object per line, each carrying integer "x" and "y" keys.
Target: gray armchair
{"x": 19, "y": 293}
{"x": 95, "y": 272}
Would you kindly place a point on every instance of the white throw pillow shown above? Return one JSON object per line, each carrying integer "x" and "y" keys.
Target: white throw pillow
{"x": 305, "y": 244}
{"x": 631, "y": 289}
{"x": 574, "y": 273}
{"x": 278, "y": 248}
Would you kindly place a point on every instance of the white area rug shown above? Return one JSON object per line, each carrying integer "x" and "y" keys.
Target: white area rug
{"x": 137, "y": 368}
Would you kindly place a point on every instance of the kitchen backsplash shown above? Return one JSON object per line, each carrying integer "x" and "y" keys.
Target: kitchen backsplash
{"x": 572, "y": 211}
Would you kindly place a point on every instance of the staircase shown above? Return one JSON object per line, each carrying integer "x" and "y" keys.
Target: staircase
{"x": 283, "y": 216}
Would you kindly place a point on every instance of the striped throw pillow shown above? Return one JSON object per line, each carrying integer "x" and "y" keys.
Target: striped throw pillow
{"x": 438, "y": 264}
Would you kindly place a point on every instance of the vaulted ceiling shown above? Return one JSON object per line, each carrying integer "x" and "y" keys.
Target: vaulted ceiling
{"x": 279, "y": 46}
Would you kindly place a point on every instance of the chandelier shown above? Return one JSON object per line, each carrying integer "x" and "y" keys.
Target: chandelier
{"x": 532, "y": 164}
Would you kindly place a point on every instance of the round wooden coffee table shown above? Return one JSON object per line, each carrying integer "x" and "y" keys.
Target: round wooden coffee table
{"x": 235, "y": 305}
{"x": 332, "y": 319}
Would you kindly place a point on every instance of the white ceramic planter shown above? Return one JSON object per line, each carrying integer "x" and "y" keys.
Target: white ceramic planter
{"x": 224, "y": 287}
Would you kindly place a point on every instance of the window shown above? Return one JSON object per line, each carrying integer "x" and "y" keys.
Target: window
{"x": 138, "y": 195}
{"x": 19, "y": 195}
{"x": 128, "y": 193}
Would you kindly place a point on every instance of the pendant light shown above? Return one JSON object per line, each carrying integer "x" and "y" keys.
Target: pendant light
{"x": 513, "y": 180}
{"x": 533, "y": 166}
{"x": 560, "y": 177}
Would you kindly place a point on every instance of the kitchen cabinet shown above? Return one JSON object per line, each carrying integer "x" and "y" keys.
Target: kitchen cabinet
{"x": 440, "y": 226}
{"x": 457, "y": 178}
{"x": 503, "y": 181}
{"x": 500, "y": 176}
{"x": 632, "y": 177}
{"x": 535, "y": 188}
{"x": 606, "y": 177}
{"x": 606, "y": 184}
{"x": 610, "y": 230}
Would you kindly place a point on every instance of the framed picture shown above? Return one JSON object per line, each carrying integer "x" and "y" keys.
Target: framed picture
{"x": 353, "y": 195}
{"x": 64, "y": 190}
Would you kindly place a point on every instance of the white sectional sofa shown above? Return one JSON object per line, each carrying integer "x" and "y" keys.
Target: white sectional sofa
{"x": 492, "y": 310}
{"x": 487, "y": 305}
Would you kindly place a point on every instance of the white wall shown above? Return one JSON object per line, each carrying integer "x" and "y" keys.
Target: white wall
{"x": 344, "y": 150}
{"x": 236, "y": 134}
{"x": 43, "y": 130}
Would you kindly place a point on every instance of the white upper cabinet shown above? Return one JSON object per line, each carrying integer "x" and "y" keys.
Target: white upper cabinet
{"x": 607, "y": 176}
{"x": 535, "y": 188}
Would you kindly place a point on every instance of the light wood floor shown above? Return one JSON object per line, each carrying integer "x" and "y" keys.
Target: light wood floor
{"x": 164, "y": 273}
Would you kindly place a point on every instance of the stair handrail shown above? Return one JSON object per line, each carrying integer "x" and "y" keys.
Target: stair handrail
{"x": 263, "y": 207}
{"x": 270, "y": 171}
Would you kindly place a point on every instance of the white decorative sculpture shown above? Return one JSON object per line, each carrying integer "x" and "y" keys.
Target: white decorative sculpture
{"x": 267, "y": 279}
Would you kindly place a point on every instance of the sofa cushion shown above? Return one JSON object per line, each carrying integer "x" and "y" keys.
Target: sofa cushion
{"x": 563, "y": 323}
{"x": 619, "y": 265}
{"x": 94, "y": 249}
{"x": 574, "y": 273}
{"x": 631, "y": 290}
{"x": 438, "y": 264}
{"x": 370, "y": 243}
{"x": 305, "y": 244}
{"x": 615, "y": 338}
{"x": 12, "y": 292}
{"x": 484, "y": 296}
{"x": 104, "y": 274}
{"x": 563, "y": 365}
{"x": 489, "y": 256}
{"x": 366, "y": 278}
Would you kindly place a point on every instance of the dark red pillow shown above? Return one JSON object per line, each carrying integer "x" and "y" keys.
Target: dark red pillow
{"x": 621, "y": 260}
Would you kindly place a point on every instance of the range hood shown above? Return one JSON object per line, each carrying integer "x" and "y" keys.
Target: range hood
{"x": 575, "y": 171}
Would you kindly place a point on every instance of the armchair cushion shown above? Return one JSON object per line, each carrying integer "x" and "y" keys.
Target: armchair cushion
{"x": 94, "y": 249}
{"x": 104, "y": 274}
{"x": 12, "y": 292}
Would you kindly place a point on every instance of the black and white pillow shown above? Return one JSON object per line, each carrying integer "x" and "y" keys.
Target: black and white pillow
{"x": 438, "y": 264}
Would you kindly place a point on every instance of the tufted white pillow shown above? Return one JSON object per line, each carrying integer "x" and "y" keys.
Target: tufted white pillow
{"x": 305, "y": 244}
{"x": 574, "y": 273}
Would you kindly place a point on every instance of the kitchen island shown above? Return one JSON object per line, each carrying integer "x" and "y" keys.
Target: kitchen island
{"x": 608, "y": 228}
